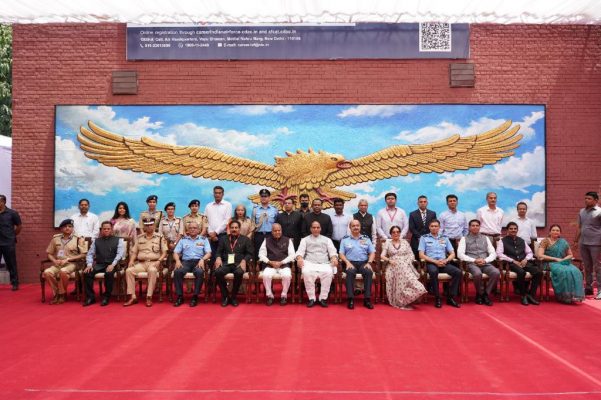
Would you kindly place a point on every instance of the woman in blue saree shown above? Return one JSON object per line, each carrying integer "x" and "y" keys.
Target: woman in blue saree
{"x": 566, "y": 277}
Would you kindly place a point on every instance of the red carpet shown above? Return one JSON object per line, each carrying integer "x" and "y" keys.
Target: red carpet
{"x": 255, "y": 352}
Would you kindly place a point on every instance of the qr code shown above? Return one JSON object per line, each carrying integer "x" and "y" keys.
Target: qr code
{"x": 434, "y": 36}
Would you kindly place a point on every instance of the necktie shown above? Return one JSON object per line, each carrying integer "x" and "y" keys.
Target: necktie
{"x": 424, "y": 218}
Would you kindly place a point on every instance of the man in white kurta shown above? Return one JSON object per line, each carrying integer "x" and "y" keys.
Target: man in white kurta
{"x": 317, "y": 257}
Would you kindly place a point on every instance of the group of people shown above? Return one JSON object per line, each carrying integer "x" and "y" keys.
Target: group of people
{"x": 319, "y": 243}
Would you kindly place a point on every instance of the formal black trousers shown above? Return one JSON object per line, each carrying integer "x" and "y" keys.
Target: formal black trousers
{"x": 10, "y": 258}
{"x": 109, "y": 278}
{"x": 351, "y": 274}
{"x": 180, "y": 273}
{"x": 450, "y": 269}
{"x": 521, "y": 283}
{"x": 220, "y": 274}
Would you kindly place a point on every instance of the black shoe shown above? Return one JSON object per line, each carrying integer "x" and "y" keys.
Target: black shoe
{"x": 323, "y": 303}
{"x": 451, "y": 301}
{"x": 269, "y": 301}
{"x": 16, "y": 287}
{"x": 89, "y": 302}
{"x": 479, "y": 299}
{"x": 367, "y": 304}
{"x": 179, "y": 301}
{"x": 524, "y": 301}
{"x": 532, "y": 300}
{"x": 105, "y": 302}
{"x": 225, "y": 301}
{"x": 194, "y": 301}
{"x": 438, "y": 302}
{"x": 234, "y": 302}
{"x": 283, "y": 301}
{"x": 486, "y": 300}
{"x": 587, "y": 292}
{"x": 311, "y": 303}
{"x": 351, "y": 304}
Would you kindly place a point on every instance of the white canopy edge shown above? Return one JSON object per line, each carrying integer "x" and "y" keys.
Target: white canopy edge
{"x": 301, "y": 11}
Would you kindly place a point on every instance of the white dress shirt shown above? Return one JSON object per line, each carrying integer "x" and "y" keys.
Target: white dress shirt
{"x": 288, "y": 259}
{"x": 387, "y": 218}
{"x": 501, "y": 253}
{"x": 526, "y": 229}
{"x": 86, "y": 225}
{"x": 217, "y": 215}
{"x": 340, "y": 226}
{"x": 491, "y": 221}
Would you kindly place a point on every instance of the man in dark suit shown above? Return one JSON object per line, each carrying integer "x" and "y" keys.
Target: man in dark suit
{"x": 234, "y": 255}
{"x": 419, "y": 221}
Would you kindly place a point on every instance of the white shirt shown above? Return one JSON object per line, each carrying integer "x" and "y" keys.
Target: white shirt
{"x": 86, "y": 225}
{"x": 526, "y": 229}
{"x": 491, "y": 221}
{"x": 386, "y": 219}
{"x": 263, "y": 253}
{"x": 217, "y": 215}
{"x": 340, "y": 226}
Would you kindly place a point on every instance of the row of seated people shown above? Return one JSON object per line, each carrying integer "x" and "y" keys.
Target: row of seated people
{"x": 396, "y": 276}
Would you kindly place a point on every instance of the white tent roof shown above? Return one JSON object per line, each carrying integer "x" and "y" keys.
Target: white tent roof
{"x": 294, "y": 11}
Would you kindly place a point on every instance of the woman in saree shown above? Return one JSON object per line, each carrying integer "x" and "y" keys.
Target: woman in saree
{"x": 565, "y": 276}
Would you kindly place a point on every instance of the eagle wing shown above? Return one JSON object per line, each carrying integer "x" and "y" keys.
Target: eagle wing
{"x": 147, "y": 155}
{"x": 451, "y": 154}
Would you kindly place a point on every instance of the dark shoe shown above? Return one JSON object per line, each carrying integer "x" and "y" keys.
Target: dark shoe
{"x": 323, "y": 303}
{"x": 486, "y": 300}
{"x": 438, "y": 302}
{"x": 61, "y": 299}
{"x": 89, "y": 302}
{"x": 179, "y": 301}
{"x": 234, "y": 302}
{"x": 225, "y": 301}
{"x": 532, "y": 300}
{"x": 524, "y": 301}
{"x": 587, "y": 292}
{"x": 16, "y": 287}
{"x": 149, "y": 302}
{"x": 451, "y": 301}
{"x": 479, "y": 299}
{"x": 54, "y": 300}
{"x": 105, "y": 302}
{"x": 130, "y": 302}
{"x": 311, "y": 303}
{"x": 194, "y": 301}
{"x": 351, "y": 304}
{"x": 269, "y": 301}
{"x": 283, "y": 301}
{"x": 367, "y": 304}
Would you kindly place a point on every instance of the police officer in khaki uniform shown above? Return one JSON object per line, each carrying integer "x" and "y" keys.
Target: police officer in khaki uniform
{"x": 171, "y": 227}
{"x": 64, "y": 249}
{"x": 152, "y": 212}
{"x": 194, "y": 216}
{"x": 146, "y": 256}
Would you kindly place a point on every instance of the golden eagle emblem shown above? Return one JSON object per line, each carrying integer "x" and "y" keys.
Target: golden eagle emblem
{"x": 315, "y": 173}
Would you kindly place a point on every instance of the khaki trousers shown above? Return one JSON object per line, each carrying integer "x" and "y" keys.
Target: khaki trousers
{"x": 150, "y": 267}
{"x": 58, "y": 277}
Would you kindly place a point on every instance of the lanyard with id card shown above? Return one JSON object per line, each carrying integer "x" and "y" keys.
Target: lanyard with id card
{"x": 231, "y": 257}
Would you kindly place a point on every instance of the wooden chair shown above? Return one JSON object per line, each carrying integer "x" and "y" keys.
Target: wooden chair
{"x": 442, "y": 278}
{"x": 376, "y": 279}
{"x": 189, "y": 279}
{"x": 301, "y": 285}
{"x": 258, "y": 283}
{"x": 119, "y": 273}
{"x": 467, "y": 278}
{"x": 142, "y": 278}
{"x": 248, "y": 278}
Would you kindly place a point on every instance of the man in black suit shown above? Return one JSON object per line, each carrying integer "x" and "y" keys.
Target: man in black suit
{"x": 419, "y": 221}
{"x": 234, "y": 255}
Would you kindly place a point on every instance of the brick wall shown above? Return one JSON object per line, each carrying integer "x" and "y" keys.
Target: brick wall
{"x": 559, "y": 66}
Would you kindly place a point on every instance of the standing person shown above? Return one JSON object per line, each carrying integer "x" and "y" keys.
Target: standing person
{"x": 171, "y": 227}
{"x": 85, "y": 224}
{"x": 391, "y": 216}
{"x": 419, "y": 222}
{"x": 526, "y": 226}
{"x": 588, "y": 238}
{"x": 402, "y": 279}
{"x": 325, "y": 222}
{"x": 357, "y": 252}
{"x": 123, "y": 225}
{"x": 490, "y": 218}
{"x": 146, "y": 256}
{"x": 151, "y": 213}
{"x": 478, "y": 252}
{"x": 518, "y": 254}
{"x": 10, "y": 227}
{"x": 218, "y": 214}
{"x": 276, "y": 255}
{"x": 104, "y": 255}
{"x": 565, "y": 276}
{"x": 291, "y": 222}
{"x": 195, "y": 216}
{"x": 453, "y": 223}
{"x": 63, "y": 251}
{"x": 340, "y": 223}
{"x": 367, "y": 221}
{"x": 304, "y": 204}
{"x": 247, "y": 227}
{"x": 263, "y": 217}
{"x": 191, "y": 255}
{"x": 234, "y": 255}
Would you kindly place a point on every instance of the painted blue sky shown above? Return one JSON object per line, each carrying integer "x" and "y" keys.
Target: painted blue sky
{"x": 263, "y": 131}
